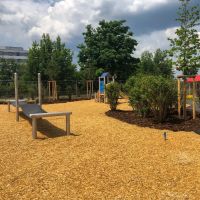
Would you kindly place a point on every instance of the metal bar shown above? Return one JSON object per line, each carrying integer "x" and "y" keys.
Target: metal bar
{"x": 39, "y": 89}
{"x": 34, "y": 128}
{"x": 68, "y": 124}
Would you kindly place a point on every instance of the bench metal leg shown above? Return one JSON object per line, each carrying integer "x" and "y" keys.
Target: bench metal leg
{"x": 8, "y": 106}
{"x": 68, "y": 124}
{"x": 34, "y": 128}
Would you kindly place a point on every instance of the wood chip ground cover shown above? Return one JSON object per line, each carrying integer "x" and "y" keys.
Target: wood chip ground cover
{"x": 104, "y": 158}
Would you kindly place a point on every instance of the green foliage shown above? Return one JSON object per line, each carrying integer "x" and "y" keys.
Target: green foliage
{"x": 150, "y": 94}
{"x": 110, "y": 46}
{"x": 185, "y": 48}
{"x": 99, "y": 72}
{"x": 112, "y": 93}
{"x": 7, "y": 70}
{"x": 53, "y": 60}
{"x": 155, "y": 64}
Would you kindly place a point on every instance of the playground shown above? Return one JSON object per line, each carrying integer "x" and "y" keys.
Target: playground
{"x": 103, "y": 158}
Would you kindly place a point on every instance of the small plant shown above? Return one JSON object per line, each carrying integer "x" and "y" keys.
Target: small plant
{"x": 112, "y": 93}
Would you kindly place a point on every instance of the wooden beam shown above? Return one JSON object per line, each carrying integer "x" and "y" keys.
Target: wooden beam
{"x": 184, "y": 99}
{"x": 16, "y": 96}
{"x": 193, "y": 100}
{"x": 179, "y": 98}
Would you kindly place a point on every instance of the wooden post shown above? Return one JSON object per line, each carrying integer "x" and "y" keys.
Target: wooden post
{"x": 92, "y": 87}
{"x": 87, "y": 89}
{"x": 184, "y": 99}
{"x": 193, "y": 99}
{"x": 104, "y": 89}
{"x": 68, "y": 124}
{"x": 34, "y": 128}
{"x": 39, "y": 90}
{"x": 99, "y": 90}
{"x": 16, "y": 97}
{"x": 179, "y": 98}
{"x": 56, "y": 93}
{"x": 76, "y": 89}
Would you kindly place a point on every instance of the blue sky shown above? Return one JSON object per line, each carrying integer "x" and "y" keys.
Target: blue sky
{"x": 23, "y": 21}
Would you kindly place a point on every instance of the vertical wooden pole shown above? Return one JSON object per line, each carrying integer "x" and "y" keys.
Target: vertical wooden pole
{"x": 184, "y": 99}
{"x": 87, "y": 88}
{"x": 179, "y": 98}
{"x": 16, "y": 97}
{"x": 193, "y": 100}
{"x": 76, "y": 89}
{"x": 56, "y": 93}
{"x": 92, "y": 87}
{"x": 99, "y": 90}
{"x": 49, "y": 89}
{"x": 34, "y": 128}
{"x": 39, "y": 90}
{"x": 104, "y": 89}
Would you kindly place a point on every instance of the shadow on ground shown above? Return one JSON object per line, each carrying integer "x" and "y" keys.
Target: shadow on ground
{"x": 47, "y": 129}
{"x": 173, "y": 123}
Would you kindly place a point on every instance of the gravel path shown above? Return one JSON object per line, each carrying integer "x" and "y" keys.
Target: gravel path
{"x": 104, "y": 158}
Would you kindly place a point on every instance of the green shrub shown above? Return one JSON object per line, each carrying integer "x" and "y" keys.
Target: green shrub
{"x": 150, "y": 94}
{"x": 138, "y": 99}
{"x": 112, "y": 93}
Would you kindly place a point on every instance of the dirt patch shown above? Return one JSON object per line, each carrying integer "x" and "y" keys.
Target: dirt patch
{"x": 173, "y": 123}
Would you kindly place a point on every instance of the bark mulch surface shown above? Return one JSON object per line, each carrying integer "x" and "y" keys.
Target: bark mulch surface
{"x": 106, "y": 157}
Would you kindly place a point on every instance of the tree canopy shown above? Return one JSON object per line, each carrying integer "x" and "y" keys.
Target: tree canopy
{"x": 185, "y": 47}
{"x": 51, "y": 58}
{"x": 155, "y": 64}
{"x": 110, "y": 47}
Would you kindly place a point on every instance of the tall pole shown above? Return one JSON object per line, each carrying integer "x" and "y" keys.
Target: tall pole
{"x": 104, "y": 89}
{"x": 99, "y": 99}
{"x": 193, "y": 100}
{"x": 184, "y": 99}
{"x": 39, "y": 89}
{"x": 16, "y": 96}
{"x": 179, "y": 98}
{"x": 76, "y": 89}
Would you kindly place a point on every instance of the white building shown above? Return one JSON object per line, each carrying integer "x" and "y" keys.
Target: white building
{"x": 15, "y": 53}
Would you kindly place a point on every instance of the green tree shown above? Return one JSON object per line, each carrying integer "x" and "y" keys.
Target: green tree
{"x": 185, "y": 47}
{"x": 110, "y": 46}
{"x": 8, "y": 68}
{"x": 53, "y": 60}
{"x": 155, "y": 64}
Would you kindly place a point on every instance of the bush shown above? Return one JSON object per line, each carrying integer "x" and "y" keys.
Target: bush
{"x": 112, "y": 93}
{"x": 150, "y": 94}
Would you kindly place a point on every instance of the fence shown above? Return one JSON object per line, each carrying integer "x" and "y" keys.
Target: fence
{"x": 62, "y": 90}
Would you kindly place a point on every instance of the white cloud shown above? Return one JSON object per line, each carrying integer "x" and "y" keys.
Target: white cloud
{"x": 157, "y": 39}
{"x": 28, "y": 19}
{"x": 67, "y": 18}
{"x": 139, "y": 5}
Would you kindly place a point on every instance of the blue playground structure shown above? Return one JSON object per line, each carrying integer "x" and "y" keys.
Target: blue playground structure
{"x": 104, "y": 79}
